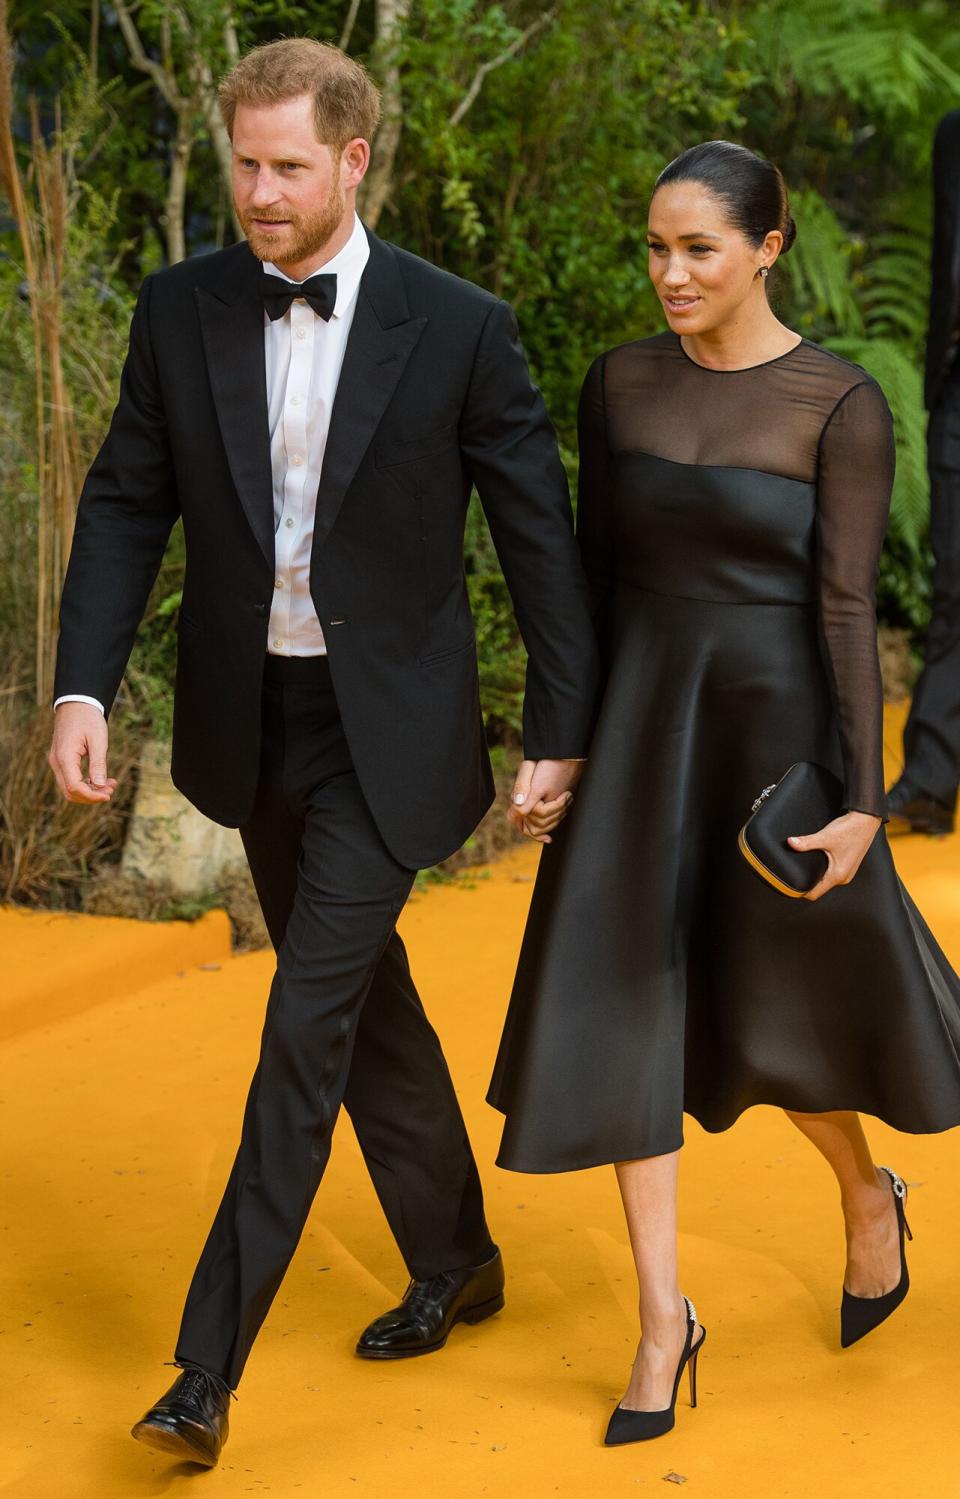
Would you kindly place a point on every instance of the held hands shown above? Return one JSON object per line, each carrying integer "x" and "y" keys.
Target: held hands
{"x": 542, "y": 794}
{"x": 80, "y": 731}
{"x": 845, "y": 842}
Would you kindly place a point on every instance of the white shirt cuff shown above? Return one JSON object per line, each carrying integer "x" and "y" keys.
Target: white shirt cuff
{"x": 78, "y": 697}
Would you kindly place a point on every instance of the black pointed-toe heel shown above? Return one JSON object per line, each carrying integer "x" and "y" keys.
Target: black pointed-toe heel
{"x": 641, "y": 1426}
{"x": 861, "y": 1314}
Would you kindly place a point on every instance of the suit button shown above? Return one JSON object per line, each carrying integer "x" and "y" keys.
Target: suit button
{"x": 260, "y": 609}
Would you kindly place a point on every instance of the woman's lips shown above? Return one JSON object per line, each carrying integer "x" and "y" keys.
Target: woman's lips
{"x": 681, "y": 304}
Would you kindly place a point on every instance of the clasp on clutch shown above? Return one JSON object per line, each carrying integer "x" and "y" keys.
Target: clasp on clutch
{"x": 762, "y": 797}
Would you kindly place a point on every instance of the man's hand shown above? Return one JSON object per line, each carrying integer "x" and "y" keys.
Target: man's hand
{"x": 79, "y": 732}
{"x": 542, "y": 794}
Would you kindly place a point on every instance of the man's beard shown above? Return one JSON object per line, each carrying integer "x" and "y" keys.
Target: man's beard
{"x": 303, "y": 237}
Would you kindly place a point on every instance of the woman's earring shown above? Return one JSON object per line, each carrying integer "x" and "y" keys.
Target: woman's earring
{"x": 764, "y": 272}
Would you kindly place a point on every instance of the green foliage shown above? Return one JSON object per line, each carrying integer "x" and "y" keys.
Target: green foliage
{"x": 903, "y": 586}
{"x": 819, "y": 270}
{"x": 499, "y": 649}
{"x": 530, "y": 143}
{"x": 540, "y": 190}
{"x": 902, "y": 384}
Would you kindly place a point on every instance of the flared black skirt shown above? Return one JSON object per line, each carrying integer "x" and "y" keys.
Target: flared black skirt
{"x": 658, "y": 973}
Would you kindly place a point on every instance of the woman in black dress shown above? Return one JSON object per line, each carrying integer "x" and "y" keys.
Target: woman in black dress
{"x": 734, "y": 489}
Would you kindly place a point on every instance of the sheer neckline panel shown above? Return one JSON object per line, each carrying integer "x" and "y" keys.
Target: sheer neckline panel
{"x": 771, "y": 418}
{"x": 743, "y": 369}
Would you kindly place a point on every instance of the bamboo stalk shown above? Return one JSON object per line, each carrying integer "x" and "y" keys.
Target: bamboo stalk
{"x": 11, "y": 181}
{"x": 41, "y": 207}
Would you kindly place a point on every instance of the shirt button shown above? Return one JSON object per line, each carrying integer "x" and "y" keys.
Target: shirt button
{"x": 295, "y": 400}
{"x": 288, "y": 521}
{"x": 278, "y": 583}
{"x": 296, "y": 460}
{"x": 278, "y": 644}
{"x": 301, "y": 332}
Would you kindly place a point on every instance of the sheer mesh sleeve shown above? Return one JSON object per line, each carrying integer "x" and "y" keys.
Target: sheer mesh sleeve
{"x": 594, "y": 519}
{"x": 855, "y": 477}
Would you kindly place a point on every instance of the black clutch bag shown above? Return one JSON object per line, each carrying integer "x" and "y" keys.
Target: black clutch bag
{"x": 802, "y": 801}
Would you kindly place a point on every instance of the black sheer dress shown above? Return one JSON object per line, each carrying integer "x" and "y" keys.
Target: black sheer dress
{"x": 731, "y": 523}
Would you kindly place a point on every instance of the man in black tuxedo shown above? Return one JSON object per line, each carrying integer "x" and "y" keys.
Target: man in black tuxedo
{"x": 316, "y": 404}
{"x": 924, "y": 798}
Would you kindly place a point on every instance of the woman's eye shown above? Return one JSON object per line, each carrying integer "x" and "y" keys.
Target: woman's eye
{"x": 657, "y": 249}
{"x": 701, "y": 249}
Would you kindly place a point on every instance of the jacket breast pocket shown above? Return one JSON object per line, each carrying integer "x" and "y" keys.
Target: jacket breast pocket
{"x": 397, "y": 450}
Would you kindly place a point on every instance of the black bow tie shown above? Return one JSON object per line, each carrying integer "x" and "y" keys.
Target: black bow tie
{"x": 319, "y": 291}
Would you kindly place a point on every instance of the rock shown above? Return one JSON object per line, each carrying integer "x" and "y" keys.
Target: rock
{"x": 168, "y": 840}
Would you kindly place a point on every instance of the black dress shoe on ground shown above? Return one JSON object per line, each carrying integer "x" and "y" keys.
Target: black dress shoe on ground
{"x": 430, "y": 1308}
{"x": 191, "y": 1420}
{"x": 912, "y": 811}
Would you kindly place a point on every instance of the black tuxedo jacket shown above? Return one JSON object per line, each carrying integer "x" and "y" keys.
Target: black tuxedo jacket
{"x": 434, "y": 396}
{"x": 944, "y": 329}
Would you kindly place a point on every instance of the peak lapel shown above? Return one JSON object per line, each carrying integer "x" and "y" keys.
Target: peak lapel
{"x": 231, "y": 321}
{"x": 382, "y": 338}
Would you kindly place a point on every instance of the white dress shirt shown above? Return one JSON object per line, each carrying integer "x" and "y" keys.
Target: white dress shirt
{"x": 304, "y": 356}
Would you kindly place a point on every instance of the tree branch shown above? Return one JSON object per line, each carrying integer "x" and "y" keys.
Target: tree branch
{"x": 230, "y": 41}
{"x": 138, "y": 56}
{"x": 205, "y": 90}
{"x": 348, "y": 25}
{"x": 391, "y": 17}
{"x": 177, "y": 192}
{"x": 479, "y": 77}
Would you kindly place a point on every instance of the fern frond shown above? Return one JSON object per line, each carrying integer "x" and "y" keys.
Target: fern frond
{"x": 889, "y": 69}
{"x": 901, "y": 382}
{"x": 896, "y": 283}
{"x": 818, "y": 267}
{"x": 860, "y": 49}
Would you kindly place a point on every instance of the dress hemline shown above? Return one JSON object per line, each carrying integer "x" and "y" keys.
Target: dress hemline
{"x": 606, "y": 1159}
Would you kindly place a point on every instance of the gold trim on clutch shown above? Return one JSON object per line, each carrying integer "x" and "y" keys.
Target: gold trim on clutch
{"x": 762, "y": 870}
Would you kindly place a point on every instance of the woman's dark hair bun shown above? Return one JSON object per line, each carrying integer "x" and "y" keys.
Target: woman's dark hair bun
{"x": 751, "y": 189}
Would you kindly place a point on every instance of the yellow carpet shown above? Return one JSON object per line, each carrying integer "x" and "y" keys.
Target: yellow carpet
{"x": 120, "y": 1121}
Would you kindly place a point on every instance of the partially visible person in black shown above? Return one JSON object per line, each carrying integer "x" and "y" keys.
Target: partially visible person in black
{"x": 924, "y": 798}
{"x": 319, "y": 435}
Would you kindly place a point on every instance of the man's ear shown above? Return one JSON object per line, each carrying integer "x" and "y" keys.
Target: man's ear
{"x": 354, "y": 161}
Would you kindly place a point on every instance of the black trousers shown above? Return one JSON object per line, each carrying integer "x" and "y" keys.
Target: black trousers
{"x": 344, "y": 1024}
{"x": 931, "y": 739}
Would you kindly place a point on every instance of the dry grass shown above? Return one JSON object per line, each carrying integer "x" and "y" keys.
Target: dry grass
{"x": 55, "y": 854}
{"x": 111, "y": 893}
{"x": 42, "y": 201}
{"x": 49, "y": 847}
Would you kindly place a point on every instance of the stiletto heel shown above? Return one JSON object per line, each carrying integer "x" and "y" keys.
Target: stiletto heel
{"x": 861, "y": 1314}
{"x": 692, "y": 1371}
{"x": 640, "y": 1426}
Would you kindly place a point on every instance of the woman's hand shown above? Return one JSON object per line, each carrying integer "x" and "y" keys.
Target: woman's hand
{"x": 845, "y": 842}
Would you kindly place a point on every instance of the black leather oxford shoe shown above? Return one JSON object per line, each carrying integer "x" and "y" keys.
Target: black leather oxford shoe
{"x": 430, "y": 1308}
{"x": 191, "y": 1420}
{"x": 912, "y": 811}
